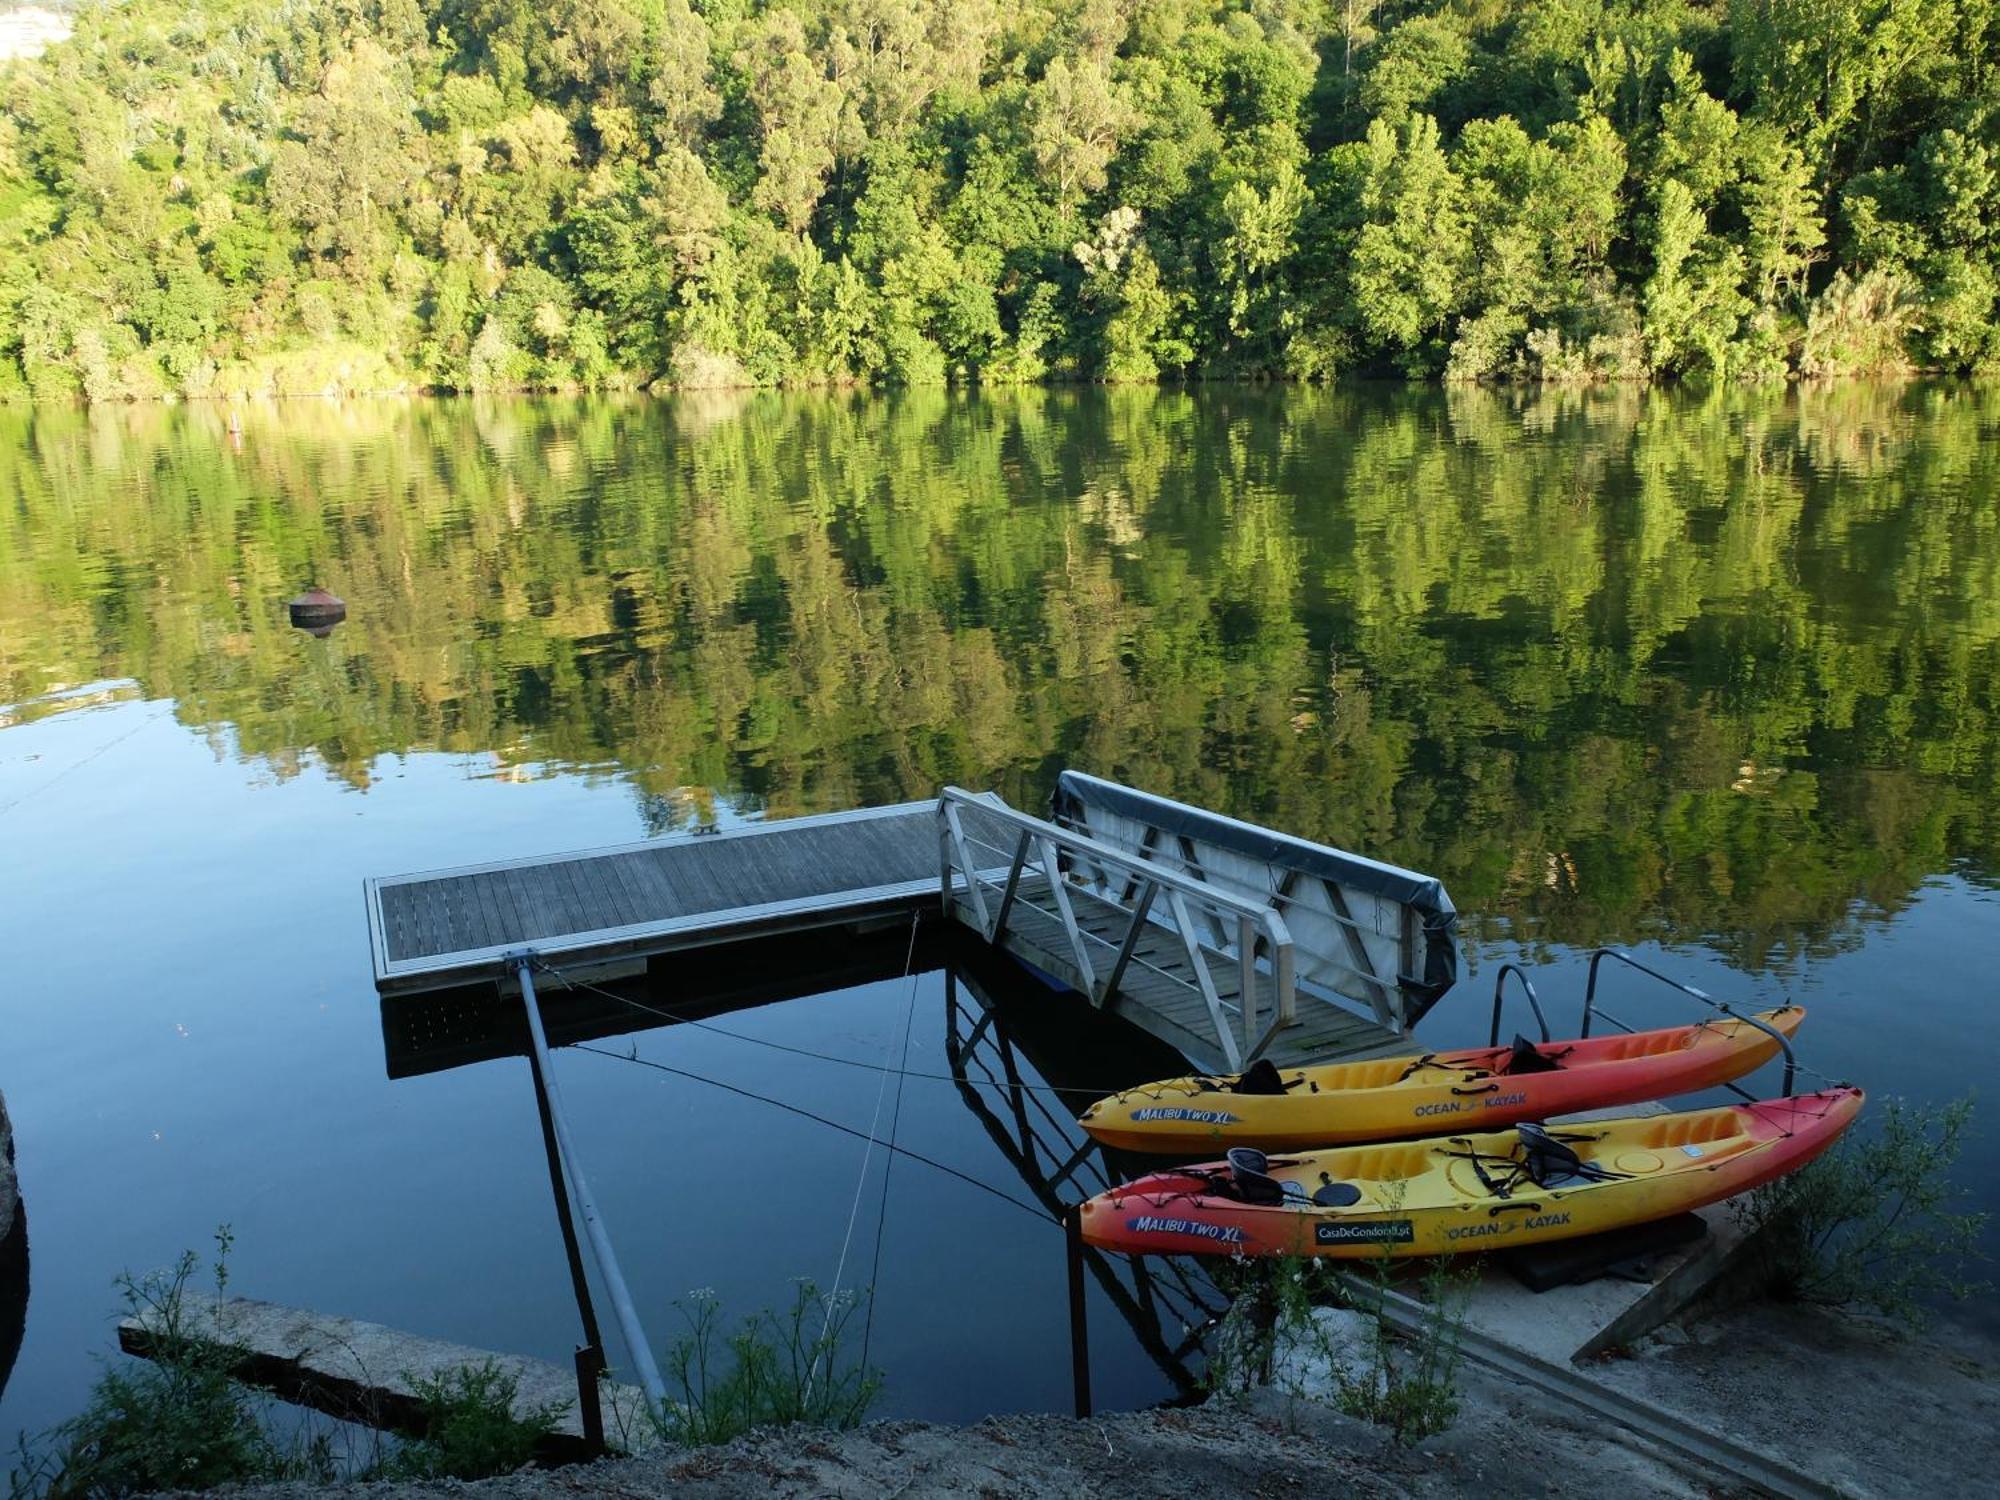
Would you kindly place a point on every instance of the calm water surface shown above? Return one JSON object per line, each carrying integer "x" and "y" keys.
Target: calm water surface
{"x": 1716, "y": 677}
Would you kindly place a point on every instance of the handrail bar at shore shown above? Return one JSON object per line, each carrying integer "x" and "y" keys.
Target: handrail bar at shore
{"x": 1500, "y": 994}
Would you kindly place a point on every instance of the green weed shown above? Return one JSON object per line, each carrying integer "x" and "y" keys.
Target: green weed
{"x": 773, "y": 1371}
{"x": 1407, "y": 1383}
{"x": 176, "y": 1422}
{"x": 470, "y": 1429}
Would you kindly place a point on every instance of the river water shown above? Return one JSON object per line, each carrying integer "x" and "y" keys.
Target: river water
{"x": 1712, "y": 676}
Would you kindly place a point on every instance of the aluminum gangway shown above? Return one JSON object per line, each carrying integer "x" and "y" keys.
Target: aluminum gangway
{"x": 1228, "y": 941}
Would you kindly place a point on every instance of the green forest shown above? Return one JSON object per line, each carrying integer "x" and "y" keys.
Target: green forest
{"x": 1618, "y": 664}
{"x": 237, "y": 197}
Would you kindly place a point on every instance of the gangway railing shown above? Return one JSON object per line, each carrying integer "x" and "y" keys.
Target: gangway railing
{"x": 1138, "y": 912}
{"x": 1376, "y": 935}
{"x": 1592, "y": 1011}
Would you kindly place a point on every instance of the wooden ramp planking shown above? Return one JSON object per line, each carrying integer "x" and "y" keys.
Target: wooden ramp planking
{"x": 443, "y": 928}
{"x": 1175, "y": 1012}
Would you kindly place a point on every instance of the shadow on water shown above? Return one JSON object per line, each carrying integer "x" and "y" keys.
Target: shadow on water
{"x": 1023, "y": 1059}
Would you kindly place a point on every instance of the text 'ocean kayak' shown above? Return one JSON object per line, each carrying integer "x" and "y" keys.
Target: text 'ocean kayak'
{"x": 1390, "y": 1097}
{"x": 1469, "y": 1193}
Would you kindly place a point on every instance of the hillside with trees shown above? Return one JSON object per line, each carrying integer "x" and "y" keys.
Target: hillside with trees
{"x": 221, "y": 197}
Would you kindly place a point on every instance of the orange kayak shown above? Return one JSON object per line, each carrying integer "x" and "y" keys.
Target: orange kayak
{"x": 1491, "y": 1191}
{"x": 1389, "y": 1097}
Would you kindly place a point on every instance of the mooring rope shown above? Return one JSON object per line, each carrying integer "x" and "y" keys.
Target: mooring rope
{"x": 861, "y": 1182}
{"x": 818, "y": 1119}
{"x": 1088, "y": 1090}
{"x": 889, "y": 1162}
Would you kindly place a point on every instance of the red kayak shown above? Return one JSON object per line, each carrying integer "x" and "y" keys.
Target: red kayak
{"x": 1468, "y": 1193}
{"x": 1384, "y": 1098}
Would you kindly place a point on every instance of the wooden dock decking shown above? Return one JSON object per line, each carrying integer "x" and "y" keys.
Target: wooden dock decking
{"x": 443, "y": 928}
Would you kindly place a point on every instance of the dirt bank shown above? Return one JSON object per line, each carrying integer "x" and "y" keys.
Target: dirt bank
{"x": 1869, "y": 1408}
{"x": 1271, "y": 1447}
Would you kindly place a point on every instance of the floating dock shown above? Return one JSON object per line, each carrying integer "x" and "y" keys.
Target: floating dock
{"x": 443, "y": 928}
{"x": 1227, "y": 941}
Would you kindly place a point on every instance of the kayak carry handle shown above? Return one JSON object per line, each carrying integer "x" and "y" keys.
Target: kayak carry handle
{"x": 1590, "y": 1010}
{"x": 1500, "y": 1208}
{"x": 1484, "y": 1088}
{"x": 1534, "y": 1001}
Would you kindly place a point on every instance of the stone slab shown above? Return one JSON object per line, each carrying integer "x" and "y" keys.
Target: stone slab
{"x": 370, "y": 1373}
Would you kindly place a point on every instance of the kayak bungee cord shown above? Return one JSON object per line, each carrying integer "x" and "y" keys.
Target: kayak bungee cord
{"x": 949, "y": 1171}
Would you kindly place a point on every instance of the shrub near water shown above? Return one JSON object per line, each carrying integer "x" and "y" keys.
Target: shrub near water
{"x": 1874, "y": 1223}
{"x": 1408, "y": 1384}
{"x": 773, "y": 1371}
{"x": 178, "y": 1422}
{"x": 470, "y": 1428}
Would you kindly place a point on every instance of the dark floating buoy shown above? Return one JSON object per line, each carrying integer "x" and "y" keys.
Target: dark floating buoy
{"x": 316, "y": 612}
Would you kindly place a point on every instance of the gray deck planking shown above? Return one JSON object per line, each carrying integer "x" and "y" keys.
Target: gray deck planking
{"x": 1326, "y": 1032}
{"x": 446, "y": 927}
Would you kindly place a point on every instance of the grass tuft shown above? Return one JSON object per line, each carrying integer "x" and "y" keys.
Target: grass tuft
{"x": 775, "y": 1370}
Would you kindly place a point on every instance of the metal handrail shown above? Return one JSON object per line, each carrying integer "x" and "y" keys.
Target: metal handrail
{"x": 1499, "y": 994}
{"x": 1049, "y": 842}
{"x": 1136, "y": 864}
{"x": 1598, "y": 955}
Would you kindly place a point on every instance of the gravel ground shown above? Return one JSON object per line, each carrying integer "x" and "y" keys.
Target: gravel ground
{"x": 1269, "y": 1447}
{"x": 1875, "y": 1411}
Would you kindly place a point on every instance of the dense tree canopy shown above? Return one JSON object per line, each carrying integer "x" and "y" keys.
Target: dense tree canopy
{"x": 222, "y": 196}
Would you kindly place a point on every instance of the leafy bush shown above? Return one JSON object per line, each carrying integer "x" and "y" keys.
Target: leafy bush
{"x": 1408, "y": 1384}
{"x": 773, "y": 1371}
{"x": 1412, "y": 1385}
{"x": 178, "y": 1422}
{"x": 470, "y": 1429}
{"x": 1874, "y": 1222}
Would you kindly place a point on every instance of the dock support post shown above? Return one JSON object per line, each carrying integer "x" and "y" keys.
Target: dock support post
{"x": 590, "y": 1396}
{"x": 593, "y": 1222}
{"x": 1079, "y": 1323}
{"x": 589, "y": 1358}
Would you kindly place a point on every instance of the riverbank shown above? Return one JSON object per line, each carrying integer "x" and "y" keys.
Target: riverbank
{"x": 1269, "y": 1446}
{"x": 1848, "y": 1402}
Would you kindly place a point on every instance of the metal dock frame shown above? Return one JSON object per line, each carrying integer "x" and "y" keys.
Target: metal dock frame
{"x": 1045, "y": 851}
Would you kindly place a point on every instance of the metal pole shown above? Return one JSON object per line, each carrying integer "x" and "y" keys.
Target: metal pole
{"x": 1079, "y": 1326}
{"x": 590, "y": 1358}
{"x": 593, "y": 1221}
{"x": 589, "y": 1371}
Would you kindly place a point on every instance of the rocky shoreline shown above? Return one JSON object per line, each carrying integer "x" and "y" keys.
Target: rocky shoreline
{"x": 13, "y": 1253}
{"x": 1265, "y": 1444}
{"x": 10, "y": 1192}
